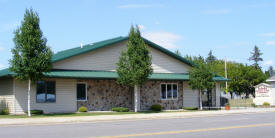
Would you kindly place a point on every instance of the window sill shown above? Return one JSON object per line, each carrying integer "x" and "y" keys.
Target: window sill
{"x": 169, "y": 99}
{"x": 81, "y": 100}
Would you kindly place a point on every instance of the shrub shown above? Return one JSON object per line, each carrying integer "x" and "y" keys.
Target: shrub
{"x": 266, "y": 104}
{"x": 120, "y": 109}
{"x": 253, "y": 105}
{"x": 156, "y": 107}
{"x": 190, "y": 108}
{"x": 5, "y": 112}
{"x": 82, "y": 109}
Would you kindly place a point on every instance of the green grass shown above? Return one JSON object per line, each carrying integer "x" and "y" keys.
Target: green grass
{"x": 84, "y": 114}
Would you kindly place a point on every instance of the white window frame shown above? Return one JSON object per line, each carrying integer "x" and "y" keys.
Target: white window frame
{"x": 172, "y": 91}
{"x": 86, "y": 92}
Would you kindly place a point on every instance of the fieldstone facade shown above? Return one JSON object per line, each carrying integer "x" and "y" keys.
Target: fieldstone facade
{"x": 150, "y": 93}
{"x": 103, "y": 95}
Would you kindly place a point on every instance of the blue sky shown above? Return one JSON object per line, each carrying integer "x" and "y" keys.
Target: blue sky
{"x": 229, "y": 28}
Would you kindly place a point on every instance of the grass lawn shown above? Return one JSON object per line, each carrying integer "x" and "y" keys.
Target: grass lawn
{"x": 85, "y": 114}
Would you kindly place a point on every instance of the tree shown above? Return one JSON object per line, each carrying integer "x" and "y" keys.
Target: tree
{"x": 201, "y": 79}
{"x": 196, "y": 59}
{"x": 211, "y": 58}
{"x": 270, "y": 71}
{"x": 178, "y": 52}
{"x": 134, "y": 66}
{"x": 256, "y": 57}
{"x": 31, "y": 56}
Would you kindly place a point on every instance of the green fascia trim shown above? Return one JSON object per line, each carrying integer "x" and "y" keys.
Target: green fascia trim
{"x": 78, "y": 74}
{"x": 6, "y": 72}
{"x": 91, "y": 47}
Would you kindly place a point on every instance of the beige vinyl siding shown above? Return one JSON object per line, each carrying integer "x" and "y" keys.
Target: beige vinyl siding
{"x": 190, "y": 97}
{"x": 6, "y": 94}
{"x": 100, "y": 59}
{"x": 65, "y": 97}
{"x": 107, "y": 57}
{"x": 163, "y": 63}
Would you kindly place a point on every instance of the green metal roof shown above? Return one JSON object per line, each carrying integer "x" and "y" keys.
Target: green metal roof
{"x": 91, "y": 47}
{"x": 86, "y": 48}
{"x": 107, "y": 74}
{"x": 81, "y": 74}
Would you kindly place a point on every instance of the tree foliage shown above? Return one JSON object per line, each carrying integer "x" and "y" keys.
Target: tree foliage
{"x": 243, "y": 77}
{"x": 31, "y": 56}
{"x": 211, "y": 58}
{"x": 256, "y": 57}
{"x": 134, "y": 64}
{"x": 201, "y": 78}
{"x": 178, "y": 52}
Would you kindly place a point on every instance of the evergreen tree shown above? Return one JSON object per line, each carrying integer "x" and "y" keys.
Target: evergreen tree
{"x": 201, "y": 78}
{"x": 269, "y": 72}
{"x": 134, "y": 66}
{"x": 178, "y": 52}
{"x": 31, "y": 56}
{"x": 256, "y": 57}
{"x": 211, "y": 58}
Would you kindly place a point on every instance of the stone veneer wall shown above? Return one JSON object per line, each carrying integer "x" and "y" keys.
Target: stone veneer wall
{"x": 103, "y": 95}
{"x": 150, "y": 94}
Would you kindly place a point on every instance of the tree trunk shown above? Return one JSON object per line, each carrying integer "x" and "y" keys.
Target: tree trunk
{"x": 137, "y": 98}
{"x": 29, "y": 98}
{"x": 231, "y": 94}
{"x": 200, "y": 100}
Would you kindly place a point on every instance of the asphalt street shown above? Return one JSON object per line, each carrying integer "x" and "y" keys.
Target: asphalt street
{"x": 252, "y": 125}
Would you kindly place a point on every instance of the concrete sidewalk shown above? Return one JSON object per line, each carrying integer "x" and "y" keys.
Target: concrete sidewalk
{"x": 127, "y": 117}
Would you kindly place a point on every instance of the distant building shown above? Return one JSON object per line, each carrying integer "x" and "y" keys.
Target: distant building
{"x": 265, "y": 92}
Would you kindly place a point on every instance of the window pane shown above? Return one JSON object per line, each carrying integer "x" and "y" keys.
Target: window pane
{"x": 163, "y": 91}
{"x": 81, "y": 91}
{"x": 51, "y": 91}
{"x": 175, "y": 91}
{"x": 40, "y": 91}
{"x": 169, "y": 91}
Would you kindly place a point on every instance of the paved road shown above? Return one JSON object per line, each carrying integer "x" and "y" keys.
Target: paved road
{"x": 261, "y": 125}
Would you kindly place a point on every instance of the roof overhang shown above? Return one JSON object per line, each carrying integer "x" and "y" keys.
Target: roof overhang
{"x": 92, "y": 74}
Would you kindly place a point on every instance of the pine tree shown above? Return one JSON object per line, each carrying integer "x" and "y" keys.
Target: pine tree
{"x": 211, "y": 58}
{"x": 270, "y": 71}
{"x": 134, "y": 66}
{"x": 178, "y": 52}
{"x": 256, "y": 57}
{"x": 31, "y": 56}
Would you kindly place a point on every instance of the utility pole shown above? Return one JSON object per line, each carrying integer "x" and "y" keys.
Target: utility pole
{"x": 225, "y": 71}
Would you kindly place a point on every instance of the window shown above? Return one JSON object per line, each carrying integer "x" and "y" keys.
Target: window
{"x": 81, "y": 92}
{"x": 169, "y": 91}
{"x": 45, "y": 92}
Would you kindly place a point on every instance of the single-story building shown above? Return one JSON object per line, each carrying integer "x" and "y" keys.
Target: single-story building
{"x": 85, "y": 76}
{"x": 265, "y": 92}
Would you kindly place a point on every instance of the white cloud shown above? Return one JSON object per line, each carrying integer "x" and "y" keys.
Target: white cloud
{"x": 270, "y": 42}
{"x": 141, "y": 27}
{"x": 2, "y": 66}
{"x": 267, "y": 34}
{"x": 268, "y": 63}
{"x": 9, "y": 26}
{"x": 165, "y": 39}
{"x": 157, "y": 22}
{"x": 135, "y": 6}
{"x": 218, "y": 11}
